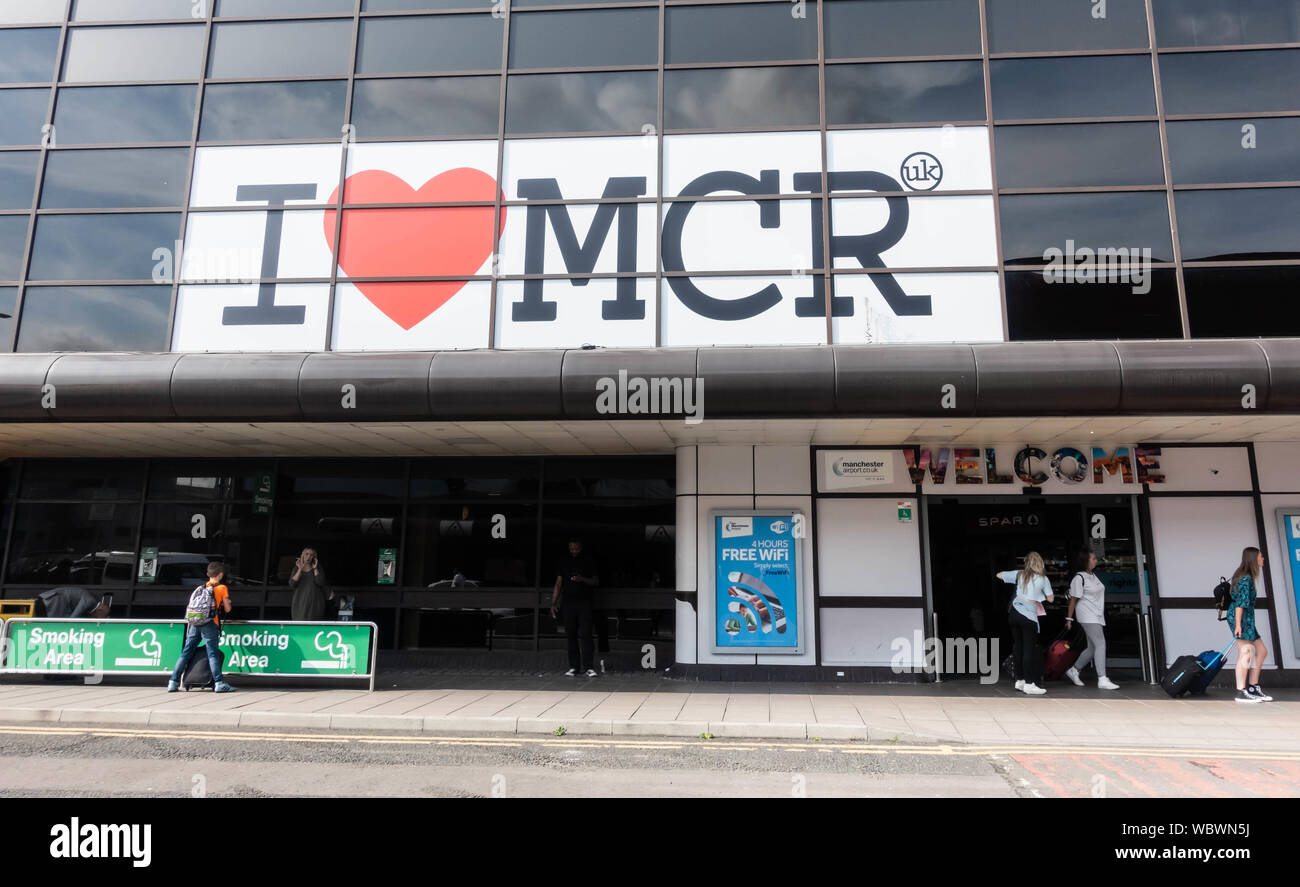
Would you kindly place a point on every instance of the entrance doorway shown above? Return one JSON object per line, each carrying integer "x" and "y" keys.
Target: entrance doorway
{"x": 973, "y": 538}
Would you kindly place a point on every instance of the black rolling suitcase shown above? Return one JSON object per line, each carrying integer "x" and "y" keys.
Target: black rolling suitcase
{"x": 198, "y": 676}
{"x": 1186, "y": 671}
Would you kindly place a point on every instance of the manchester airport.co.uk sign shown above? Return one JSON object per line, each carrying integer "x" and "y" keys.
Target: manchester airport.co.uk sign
{"x": 762, "y": 247}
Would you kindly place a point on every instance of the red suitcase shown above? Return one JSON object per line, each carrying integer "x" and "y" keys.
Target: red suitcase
{"x": 1062, "y": 653}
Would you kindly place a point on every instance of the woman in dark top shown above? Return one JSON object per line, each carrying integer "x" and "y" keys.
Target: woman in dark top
{"x": 1251, "y": 651}
{"x": 309, "y": 592}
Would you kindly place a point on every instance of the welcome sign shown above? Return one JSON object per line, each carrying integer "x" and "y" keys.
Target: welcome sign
{"x": 420, "y": 242}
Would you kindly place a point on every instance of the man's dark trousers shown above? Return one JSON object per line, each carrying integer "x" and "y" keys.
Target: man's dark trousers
{"x": 578, "y": 624}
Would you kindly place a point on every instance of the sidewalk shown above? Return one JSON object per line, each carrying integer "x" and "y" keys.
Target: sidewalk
{"x": 1136, "y": 716}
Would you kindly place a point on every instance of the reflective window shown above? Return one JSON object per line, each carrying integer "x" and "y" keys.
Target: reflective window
{"x": 1077, "y": 155}
{"x": 1261, "y": 149}
{"x": 1073, "y": 86}
{"x": 1228, "y": 82}
{"x": 1256, "y": 223}
{"x": 871, "y": 28}
{"x": 8, "y": 308}
{"x": 1034, "y": 25}
{"x": 321, "y": 479}
{"x": 1037, "y": 309}
{"x": 252, "y": 8}
{"x": 721, "y": 98}
{"x": 94, "y": 318}
{"x": 27, "y": 54}
{"x": 622, "y": 101}
{"x": 97, "y": 479}
{"x": 22, "y": 114}
{"x": 101, "y": 247}
{"x": 32, "y": 12}
{"x": 130, "y": 10}
{"x": 616, "y": 538}
{"x": 1034, "y": 223}
{"x": 13, "y": 240}
{"x": 430, "y": 43}
{"x": 429, "y": 106}
{"x": 415, "y": 5}
{"x": 584, "y": 38}
{"x": 469, "y": 479}
{"x": 904, "y": 92}
{"x": 1226, "y": 22}
{"x": 519, "y": 3}
{"x": 203, "y": 479}
{"x": 758, "y": 32}
{"x": 154, "y": 52}
{"x": 1262, "y": 301}
{"x": 347, "y": 538}
{"x": 619, "y": 477}
{"x": 75, "y": 543}
{"x": 453, "y": 546}
{"x": 104, "y": 115}
{"x": 106, "y": 178}
{"x": 17, "y": 178}
{"x": 235, "y": 536}
{"x": 256, "y": 111}
{"x": 281, "y": 49}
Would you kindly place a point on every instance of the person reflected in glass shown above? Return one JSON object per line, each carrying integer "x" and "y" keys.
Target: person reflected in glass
{"x": 310, "y": 593}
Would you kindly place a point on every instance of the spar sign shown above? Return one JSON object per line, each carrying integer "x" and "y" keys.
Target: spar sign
{"x": 570, "y": 257}
{"x": 80, "y": 646}
{"x": 758, "y": 602}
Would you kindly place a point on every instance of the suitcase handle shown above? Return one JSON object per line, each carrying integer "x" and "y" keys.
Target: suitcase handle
{"x": 1222, "y": 655}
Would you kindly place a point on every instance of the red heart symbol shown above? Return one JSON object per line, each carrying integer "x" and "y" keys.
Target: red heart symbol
{"x": 418, "y": 242}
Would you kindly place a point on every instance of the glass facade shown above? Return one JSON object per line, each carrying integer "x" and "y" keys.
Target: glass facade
{"x": 476, "y": 540}
{"x": 1178, "y": 137}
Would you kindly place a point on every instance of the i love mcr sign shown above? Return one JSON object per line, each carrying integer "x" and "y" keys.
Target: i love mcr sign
{"x": 417, "y": 274}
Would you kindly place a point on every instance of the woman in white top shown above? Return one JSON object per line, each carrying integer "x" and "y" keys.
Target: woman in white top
{"x": 1088, "y": 599}
{"x": 1032, "y": 588}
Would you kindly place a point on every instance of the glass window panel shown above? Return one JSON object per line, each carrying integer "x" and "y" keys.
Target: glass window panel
{"x": 621, "y": 539}
{"x": 252, "y": 8}
{"x": 757, "y": 32}
{"x": 94, "y": 318}
{"x": 324, "y": 479}
{"x": 82, "y": 479}
{"x": 618, "y": 477}
{"x": 429, "y": 106}
{"x": 1034, "y": 223}
{"x": 235, "y": 536}
{"x": 469, "y": 479}
{"x": 1034, "y": 25}
{"x": 1243, "y": 302}
{"x": 1226, "y": 22}
{"x": 1077, "y": 155}
{"x": 27, "y": 54}
{"x": 17, "y": 178}
{"x": 22, "y": 114}
{"x": 13, "y": 240}
{"x": 1082, "y": 86}
{"x": 204, "y": 479}
{"x": 1037, "y": 309}
{"x": 257, "y": 111}
{"x": 1256, "y": 223}
{"x": 281, "y": 49}
{"x": 8, "y": 309}
{"x": 346, "y": 537}
{"x": 430, "y": 43}
{"x": 616, "y": 101}
{"x": 1262, "y": 149}
{"x": 130, "y": 10}
{"x": 1230, "y": 82}
{"x": 452, "y": 546}
{"x": 107, "y": 178}
{"x": 417, "y": 5}
{"x": 584, "y": 38}
{"x": 105, "y": 115}
{"x": 151, "y": 52}
{"x": 721, "y": 98}
{"x": 104, "y": 246}
{"x": 519, "y": 3}
{"x": 904, "y": 92}
{"x": 32, "y": 12}
{"x": 78, "y": 543}
{"x": 871, "y": 28}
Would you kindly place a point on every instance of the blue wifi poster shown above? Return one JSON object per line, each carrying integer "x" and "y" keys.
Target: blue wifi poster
{"x": 757, "y": 582}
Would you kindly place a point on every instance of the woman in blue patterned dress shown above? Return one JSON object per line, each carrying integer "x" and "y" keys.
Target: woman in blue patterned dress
{"x": 1251, "y": 651}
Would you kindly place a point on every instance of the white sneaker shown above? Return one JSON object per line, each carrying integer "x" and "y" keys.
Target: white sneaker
{"x": 1034, "y": 690}
{"x": 1020, "y": 685}
{"x": 571, "y": 673}
{"x": 1105, "y": 683}
{"x": 1073, "y": 674}
{"x": 591, "y": 672}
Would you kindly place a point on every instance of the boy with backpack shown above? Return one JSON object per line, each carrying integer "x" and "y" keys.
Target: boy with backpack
{"x": 203, "y": 623}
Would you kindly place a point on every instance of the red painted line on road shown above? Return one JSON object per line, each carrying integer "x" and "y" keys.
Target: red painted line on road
{"x": 1252, "y": 782}
{"x": 1136, "y": 783}
{"x": 1185, "y": 775}
{"x": 1044, "y": 772}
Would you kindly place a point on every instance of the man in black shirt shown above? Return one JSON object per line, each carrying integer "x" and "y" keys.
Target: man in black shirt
{"x": 72, "y": 603}
{"x": 576, "y": 581}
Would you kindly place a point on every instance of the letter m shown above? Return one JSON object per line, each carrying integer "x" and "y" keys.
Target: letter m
{"x": 579, "y": 258}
